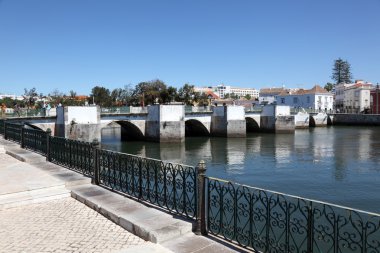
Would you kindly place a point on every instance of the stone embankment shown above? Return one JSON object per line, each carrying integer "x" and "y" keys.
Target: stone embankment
{"x": 356, "y": 119}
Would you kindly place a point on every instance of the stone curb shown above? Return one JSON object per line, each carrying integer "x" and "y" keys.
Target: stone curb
{"x": 146, "y": 222}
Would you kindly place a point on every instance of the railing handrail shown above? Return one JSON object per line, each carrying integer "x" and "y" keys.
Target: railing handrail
{"x": 294, "y": 196}
{"x": 147, "y": 158}
{"x": 63, "y": 138}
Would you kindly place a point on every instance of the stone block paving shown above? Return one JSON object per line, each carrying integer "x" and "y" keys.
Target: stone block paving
{"x": 63, "y": 225}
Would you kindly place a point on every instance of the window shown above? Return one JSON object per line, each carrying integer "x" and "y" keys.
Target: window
{"x": 295, "y": 100}
{"x": 308, "y": 99}
{"x": 282, "y": 100}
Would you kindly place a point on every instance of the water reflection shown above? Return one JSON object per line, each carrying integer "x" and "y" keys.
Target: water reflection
{"x": 334, "y": 164}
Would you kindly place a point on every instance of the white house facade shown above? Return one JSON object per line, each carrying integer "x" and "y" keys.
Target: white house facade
{"x": 316, "y": 98}
{"x": 353, "y": 97}
{"x": 357, "y": 97}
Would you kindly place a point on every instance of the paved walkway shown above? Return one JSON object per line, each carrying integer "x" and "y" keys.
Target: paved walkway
{"x": 63, "y": 225}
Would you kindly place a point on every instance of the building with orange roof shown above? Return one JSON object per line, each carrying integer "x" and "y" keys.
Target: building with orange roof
{"x": 353, "y": 97}
{"x": 269, "y": 95}
{"x": 316, "y": 98}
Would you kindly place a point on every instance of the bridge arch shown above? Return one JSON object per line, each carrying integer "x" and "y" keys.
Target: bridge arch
{"x": 128, "y": 130}
{"x": 41, "y": 126}
{"x": 194, "y": 127}
{"x": 36, "y": 127}
{"x": 252, "y": 125}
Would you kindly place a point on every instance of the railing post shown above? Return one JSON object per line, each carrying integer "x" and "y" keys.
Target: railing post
{"x": 5, "y": 129}
{"x": 95, "y": 148}
{"x": 201, "y": 200}
{"x": 140, "y": 179}
{"x": 310, "y": 228}
{"x": 48, "y": 134}
{"x": 22, "y": 137}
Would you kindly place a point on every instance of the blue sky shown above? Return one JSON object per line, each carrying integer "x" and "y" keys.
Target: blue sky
{"x": 77, "y": 44}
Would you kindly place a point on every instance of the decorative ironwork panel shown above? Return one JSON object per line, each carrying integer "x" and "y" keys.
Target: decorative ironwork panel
{"x": 75, "y": 155}
{"x": 2, "y": 126}
{"x": 167, "y": 185}
{"x": 13, "y": 131}
{"x": 268, "y": 221}
{"x": 35, "y": 140}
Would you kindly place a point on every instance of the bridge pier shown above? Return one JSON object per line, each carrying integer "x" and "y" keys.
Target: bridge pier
{"x": 277, "y": 119}
{"x": 165, "y": 123}
{"x": 78, "y": 123}
{"x": 319, "y": 119}
{"x": 228, "y": 121}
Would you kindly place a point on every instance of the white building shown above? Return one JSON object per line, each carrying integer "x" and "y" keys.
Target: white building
{"x": 14, "y": 97}
{"x": 339, "y": 95}
{"x": 357, "y": 97}
{"x": 222, "y": 90}
{"x": 316, "y": 98}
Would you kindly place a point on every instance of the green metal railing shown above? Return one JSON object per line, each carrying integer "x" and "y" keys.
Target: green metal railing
{"x": 2, "y": 126}
{"x": 195, "y": 109}
{"x": 123, "y": 110}
{"x": 24, "y": 112}
{"x": 254, "y": 109}
{"x": 35, "y": 140}
{"x": 75, "y": 155}
{"x": 115, "y": 110}
{"x": 167, "y": 185}
{"x": 267, "y": 221}
{"x": 12, "y": 131}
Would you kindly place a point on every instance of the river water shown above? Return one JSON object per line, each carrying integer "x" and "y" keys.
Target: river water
{"x": 340, "y": 165}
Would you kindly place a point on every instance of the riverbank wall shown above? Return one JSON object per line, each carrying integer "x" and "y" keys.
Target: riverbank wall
{"x": 356, "y": 119}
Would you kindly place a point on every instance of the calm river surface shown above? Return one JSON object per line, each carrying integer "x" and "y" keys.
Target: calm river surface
{"x": 340, "y": 165}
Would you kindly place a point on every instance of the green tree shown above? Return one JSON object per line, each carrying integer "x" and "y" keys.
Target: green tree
{"x": 101, "y": 96}
{"x": 187, "y": 94}
{"x": 117, "y": 96}
{"x": 202, "y": 99}
{"x": 329, "y": 86}
{"x": 248, "y": 97}
{"x": 234, "y": 96}
{"x": 149, "y": 92}
{"x": 173, "y": 94}
{"x": 8, "y": 102}
{"x": 72, "y": 94}
{"x": 30, "y": 97}
{"x": 56, "y": 96}
{"x": 341, "y": 72}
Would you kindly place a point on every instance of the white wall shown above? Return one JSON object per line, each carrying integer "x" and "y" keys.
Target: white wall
{"x": 307, "y": 101}
{"x": 235, "y": 113}
{"x": 81, "y": 114}
{"x": 282, "y": 110}
{"x": 172, "y": 112}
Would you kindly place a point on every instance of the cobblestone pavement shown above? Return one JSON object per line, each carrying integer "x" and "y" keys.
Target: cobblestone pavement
{"x": 64, "y": 225}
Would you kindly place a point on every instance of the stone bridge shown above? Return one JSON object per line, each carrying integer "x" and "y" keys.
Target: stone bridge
{"x": 164, "y": 123}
